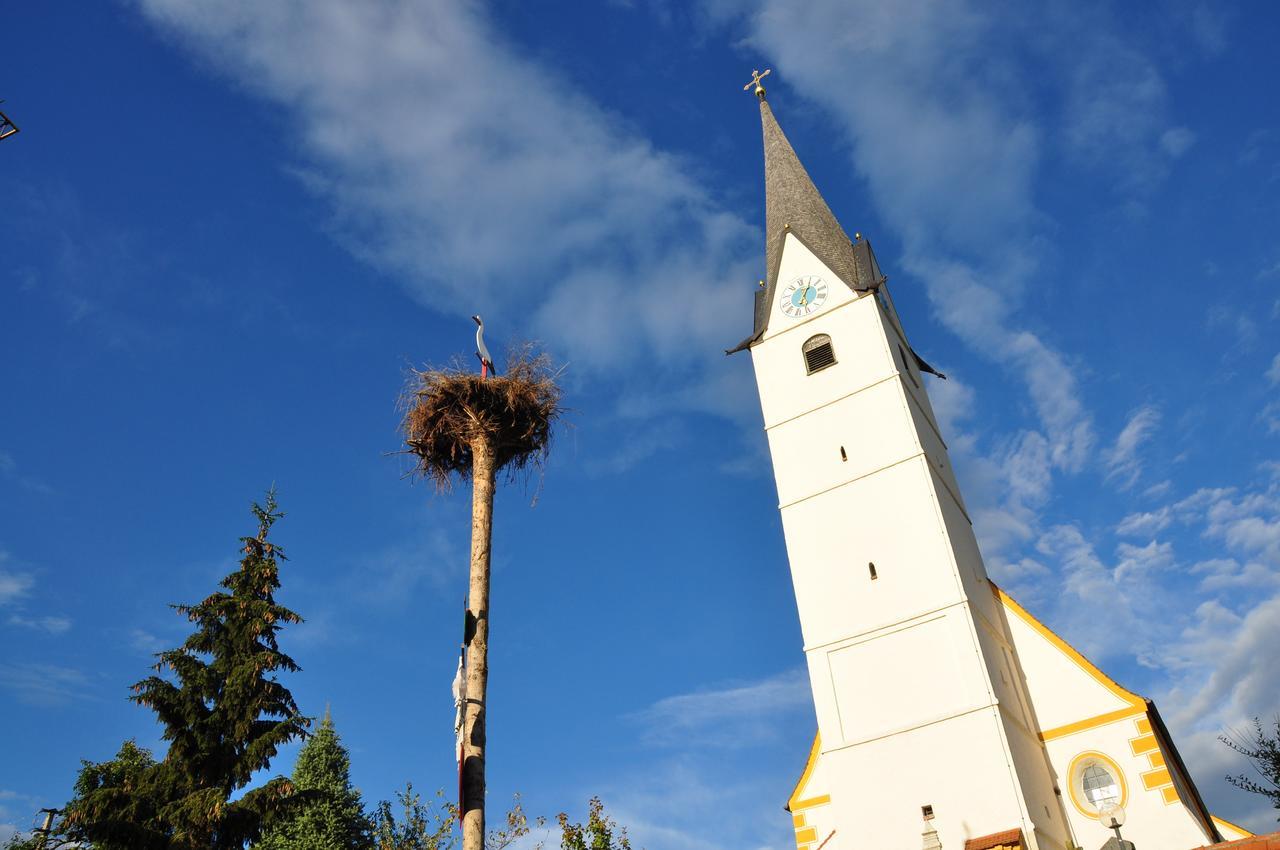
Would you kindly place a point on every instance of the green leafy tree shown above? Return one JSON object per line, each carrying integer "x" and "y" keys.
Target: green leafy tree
{"x": 225, "y": 715}
{"x": 129, "y": 770}
{"x": 424, "y": 826}
{"x": 601, "y": 832}
{"x": 333, "y": 818}
{"x": 1263, "y": 752}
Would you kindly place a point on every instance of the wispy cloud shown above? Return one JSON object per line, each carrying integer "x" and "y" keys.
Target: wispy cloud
{"x": 484, "y": 180}
{"x": 15, "y": 583}
{"x": 431, "y": 557}
{"x": 15, "y": 586}
{"x": 17, "y": 811}
{"x": 949, "y": 165}
{"x": 1124, "y": 464}
{"x": 1148, "y": 522}
{"x": 144, "y": 641}
{"x": 10, "y": 472}
{"x": 734, "y": 715}
{"x": 44, "y": 684}
{"x": 50, "y": 624}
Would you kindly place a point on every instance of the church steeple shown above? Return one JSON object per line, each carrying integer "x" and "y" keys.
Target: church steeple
{"x": 794, "y": 205}
{"x": 918, "y": 701}
{"x": 791, "y": 201}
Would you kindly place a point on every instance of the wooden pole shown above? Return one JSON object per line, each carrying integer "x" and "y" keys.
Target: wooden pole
{"x": 46, "y": 829}
{"x": 483, "y": 481}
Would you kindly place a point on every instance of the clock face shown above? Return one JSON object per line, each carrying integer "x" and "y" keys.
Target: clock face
{"x": 803, "y": 296}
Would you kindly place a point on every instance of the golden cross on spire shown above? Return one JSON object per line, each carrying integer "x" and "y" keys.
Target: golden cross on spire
{"x": 756, "y": 77}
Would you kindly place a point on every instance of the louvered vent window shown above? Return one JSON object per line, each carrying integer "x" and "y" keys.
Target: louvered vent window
{"x": 818, "y": 353}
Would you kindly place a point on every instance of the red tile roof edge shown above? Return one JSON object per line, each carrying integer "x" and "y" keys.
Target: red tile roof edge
{"x": 1253, "y": 842}
{"x": 1010, "y": 837}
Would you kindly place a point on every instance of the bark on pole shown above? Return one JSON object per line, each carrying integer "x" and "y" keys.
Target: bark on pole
{"x": 483, "y": 481}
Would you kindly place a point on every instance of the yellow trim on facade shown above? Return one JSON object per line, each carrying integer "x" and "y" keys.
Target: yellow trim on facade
{"x": 1067, "y": 649}
{"x": 820, "y": 800}
{"x": 814, "y": 752}
{"x": 1092, "y": 722}
{"x": 805, "y": 836}
{"x": 1159, "y": 779}
{"x": 797, "y": 821}
{"x": 1143, "y": 744}
{"x": 1084, "y": 807}
{"x": 1153, "y": 779}
{"x": 1229, "y": 825}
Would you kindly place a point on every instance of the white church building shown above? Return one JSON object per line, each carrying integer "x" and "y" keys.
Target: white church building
{"x": 948, "y": 715}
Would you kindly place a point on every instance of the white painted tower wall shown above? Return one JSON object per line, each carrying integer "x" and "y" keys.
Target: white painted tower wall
{"x": 916, "y": 696}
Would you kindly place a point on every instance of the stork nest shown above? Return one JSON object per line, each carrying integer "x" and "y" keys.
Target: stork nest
{"x": 447, "y": 410}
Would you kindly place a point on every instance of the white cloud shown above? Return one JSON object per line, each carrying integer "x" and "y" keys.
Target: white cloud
{"x": 44, "y": 684}
{"x": 1142, "y": 524}
{"x": 729, "y": 716}
{"x": 13, "y": 584}
{"x": 17, "y": 811}
{"x": 485, "y": 181}
{"x": 9, "y": 471}
{"x": 953, "y": 403}
{"x": 1273, "y": 373}
{"x": 144, "y": 641}
{"x": 1232, "y": 645}
{"x": 949, "y": 165}
{"x": 1123, "y": 463}
{"x": 1228, "y": 574}
{"x": 432, "y": 558}
{"x": 1117, "y": 101}
{"x": 1140, "y": 561}
{"x": 52, "y": 625}
{"x": 1177, "y": 141}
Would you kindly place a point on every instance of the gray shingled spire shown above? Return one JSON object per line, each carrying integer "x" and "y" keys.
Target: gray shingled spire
{"x": 793, "y": 203}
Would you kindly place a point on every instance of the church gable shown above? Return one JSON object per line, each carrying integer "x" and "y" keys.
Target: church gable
{"x": 1069, "y": 692}
{"x": 1098, "y": 735}
{"x": 810, "y": 805}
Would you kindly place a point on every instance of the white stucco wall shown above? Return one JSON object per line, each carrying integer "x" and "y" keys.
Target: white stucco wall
{"x": 904, "y": 666}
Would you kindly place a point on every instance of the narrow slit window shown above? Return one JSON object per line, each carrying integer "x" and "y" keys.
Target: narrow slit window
{"x": 871, "y": 568}
{"x": 818, "y": 354}
{"x": 843, "y": 454}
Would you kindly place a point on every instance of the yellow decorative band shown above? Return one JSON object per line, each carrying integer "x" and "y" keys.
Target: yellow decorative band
{"x": 810, "y": 802}
{"x": 1092, "y": 722}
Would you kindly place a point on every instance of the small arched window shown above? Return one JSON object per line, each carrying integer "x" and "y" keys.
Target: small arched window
{"x": 818, "y": 354}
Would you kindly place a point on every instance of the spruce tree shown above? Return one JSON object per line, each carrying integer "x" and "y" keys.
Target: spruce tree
{"x": 225, "y": 717}
{"x": 333, "y": 817}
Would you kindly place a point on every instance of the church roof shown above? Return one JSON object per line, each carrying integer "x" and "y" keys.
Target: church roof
{"x": 793, "y": 202}
{"x": 1253, "y": 842}
{"x": 1010, "y": 839}
{"x": 794, "y": 205}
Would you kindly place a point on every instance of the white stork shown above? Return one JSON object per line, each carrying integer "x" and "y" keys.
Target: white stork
{"x": 486, "y": 362}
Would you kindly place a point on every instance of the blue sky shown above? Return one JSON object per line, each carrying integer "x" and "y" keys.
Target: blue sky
{"x": 233, "y": 227}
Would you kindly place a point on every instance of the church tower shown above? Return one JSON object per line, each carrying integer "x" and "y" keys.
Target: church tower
{"x": 922, "y": 710}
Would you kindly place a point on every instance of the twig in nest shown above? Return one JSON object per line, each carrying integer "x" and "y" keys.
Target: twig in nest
{"x": 447, "y": 410}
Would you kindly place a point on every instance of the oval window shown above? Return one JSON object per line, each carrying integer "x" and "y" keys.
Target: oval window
{"x": 1099, "y": 786}
{"x": 1096, "y": 783}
